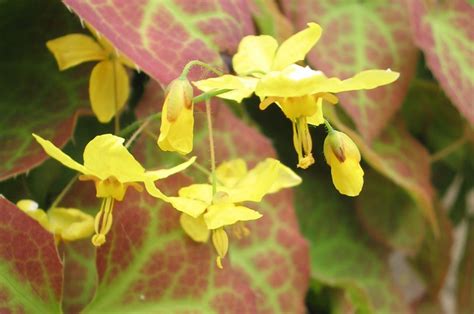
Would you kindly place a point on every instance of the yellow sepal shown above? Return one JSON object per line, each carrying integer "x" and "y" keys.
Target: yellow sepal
{"x": 108, "y": 89}
{"x": 73, "y": 49}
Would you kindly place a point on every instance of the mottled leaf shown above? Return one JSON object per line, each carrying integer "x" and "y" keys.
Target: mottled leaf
{"x": 359, "y": 36}
{"x": 148, "y": 264}
{"x": 341, "y": 254}
{"x": 389, "y": 215}
{"x": 80, "y": 275}
{"x": 36, "y": 97}
{"x": 399, "y": 157}
{"x": 162, "y": 36}
{"x": 30, "y": 268}
{"x": 445, "y": 32}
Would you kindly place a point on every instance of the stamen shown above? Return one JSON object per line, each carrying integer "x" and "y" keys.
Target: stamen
{"x": 103, "y": 221}
{"x": 221, "y": 244}
{"x": 303, "y": 143}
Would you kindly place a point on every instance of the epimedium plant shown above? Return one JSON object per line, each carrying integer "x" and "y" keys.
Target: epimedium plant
{"x": 166, "y": 248}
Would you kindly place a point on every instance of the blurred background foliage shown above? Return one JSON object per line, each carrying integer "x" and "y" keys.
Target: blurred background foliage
{"x": 377, "y": 253}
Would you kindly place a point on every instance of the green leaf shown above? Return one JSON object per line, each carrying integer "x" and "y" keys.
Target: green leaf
{"x": 30, "y": 268}
{"x": 162, "y": 36}
{"x": 269, "y": 19}
{"x": 389, "y": 214}
{"x": 361, "y": 35}
{"x": 443, "y": 30}
{"x": 36, "y": 97}
{"x": 341, "y": 254}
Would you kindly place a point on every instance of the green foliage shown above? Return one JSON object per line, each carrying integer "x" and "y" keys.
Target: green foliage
{"x": 313, "y": 250}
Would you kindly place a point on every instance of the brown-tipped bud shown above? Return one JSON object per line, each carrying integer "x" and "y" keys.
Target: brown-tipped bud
{"x": 179, "y": 96}
{"x": 335, "y": 143}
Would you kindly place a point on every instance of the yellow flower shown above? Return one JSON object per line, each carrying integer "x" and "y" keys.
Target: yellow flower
{"x": 177, "y": 120}
{"x": 109, "y": 83}
{"x": 204, "y": 214}
{"x": 66, "y": 224}
{"x": 343, "y": 156}
{"x": 300, "y": 91}
{"x": 258, "y": 55}
{"x": 113, "y": 169}
{"x": 270, "y": 71}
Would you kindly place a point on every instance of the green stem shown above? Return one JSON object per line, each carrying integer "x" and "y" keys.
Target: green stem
{"x": 208, "y": 95}
{"x": 328, "y": 126}
{"x": 211, "y": 146}
{"x": 192, "y": 63}
{"x": 443, "y": 153}
{"x": 64, "y": 191}
{"x": 138, "y": 131}
{"x": 131, "y": 127}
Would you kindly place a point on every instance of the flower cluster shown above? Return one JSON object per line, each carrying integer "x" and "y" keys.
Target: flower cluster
{"x": 271, "y": 72}
{"x": 208, "y": 210}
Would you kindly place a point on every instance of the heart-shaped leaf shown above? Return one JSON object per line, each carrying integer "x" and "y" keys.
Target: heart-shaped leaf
{"x": 443, "y": 30}
{"x": 36, "y": 97}
{"x": 30, "y": 268}
{"x": 162, "y": 36}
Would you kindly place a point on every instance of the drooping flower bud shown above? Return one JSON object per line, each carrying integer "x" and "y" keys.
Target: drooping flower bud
{"x": 221, "y": 244}
{"x": 343, "y": 156}
{"x": 177, "y": 120}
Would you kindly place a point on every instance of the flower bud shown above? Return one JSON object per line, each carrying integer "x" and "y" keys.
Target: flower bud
{"x": 177, "y": 121}
{"x": 343, "y": 156}
{"x": 179, "y": 95}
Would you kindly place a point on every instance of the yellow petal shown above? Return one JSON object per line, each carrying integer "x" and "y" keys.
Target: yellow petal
{"x": 108, "y": 89}
{"x": 296, "y": 47}
{"x": 296, "y": 81}
{"x": 70, "y": 223}
{"x": 191, "y": 207}
{"x": 105, "y": 156}
{"x": 177, "y": 135}
{"x": 154, "y": 191}
{"x": 230, "y": 172}
{"x": 241, "y": 87}
{"x": 286, "y": 178}
{"x": 194, "y": 227}
{"x": 200, "y": 192}
{"x": 317, "y": 118}
{"x": 364, "y": 80}
{"x": 30, "y": 208}
{"x": 348, "y": 177}
{"x": 255, "y": 54}
{"x": 164, "y": 173}
{"x": 227, "y": 214}
{"x": 256, "y": 183}
{"x": 73, "y": 49}
{"x": 57, "y": 154}
{"x": 293, "y": 81}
